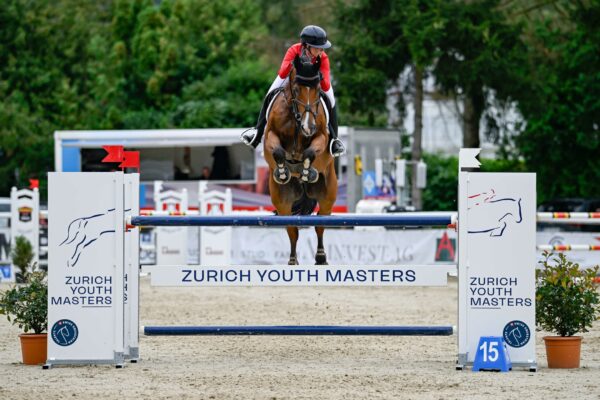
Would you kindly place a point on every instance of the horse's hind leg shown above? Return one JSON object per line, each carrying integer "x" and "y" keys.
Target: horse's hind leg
{"x": 320, "y": 256}
{"x": 293, "y": 235}
{"x": 325, "y": 207}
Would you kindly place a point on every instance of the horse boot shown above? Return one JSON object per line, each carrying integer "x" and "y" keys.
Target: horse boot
{"x": 281, "y": 174}
{"x": 336, "y": 147}
{"x": 253, "y": 136}
{"x": 309, "y": 174}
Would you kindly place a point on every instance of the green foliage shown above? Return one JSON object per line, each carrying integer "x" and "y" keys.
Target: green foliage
{"x": 481, "y": 55}
{"x": 442, "y": 183}
{"x": 123, "y": 64}
{"x": 371, "y": 56}
{"x": 27, "y": 305}
{"x": 561, "y": 140}
{"x": 567, "y": 300}
{"x": 442, "y": 179}
{"x": 22, "y": 255}
{"x": 502, "y": 165}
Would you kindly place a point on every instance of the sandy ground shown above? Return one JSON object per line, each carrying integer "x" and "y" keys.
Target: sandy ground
{"x": 296, "y": 367}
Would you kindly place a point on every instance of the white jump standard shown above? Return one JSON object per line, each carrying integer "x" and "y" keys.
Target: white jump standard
{"x": 93, "y": 237}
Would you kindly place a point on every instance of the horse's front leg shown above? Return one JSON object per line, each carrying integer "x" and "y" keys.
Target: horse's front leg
{"x": 284, "y": 207}
{"x": 281, "y": 173}
{"x": 309, "y": 173}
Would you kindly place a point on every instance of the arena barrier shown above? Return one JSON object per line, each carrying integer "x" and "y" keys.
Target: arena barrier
{"x": 93, "y": 280}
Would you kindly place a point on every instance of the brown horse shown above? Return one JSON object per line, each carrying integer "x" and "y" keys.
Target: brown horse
{"x": 302, "y": 171}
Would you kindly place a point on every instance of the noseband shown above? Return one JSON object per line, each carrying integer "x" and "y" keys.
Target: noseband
{"x": 310, "y": 82}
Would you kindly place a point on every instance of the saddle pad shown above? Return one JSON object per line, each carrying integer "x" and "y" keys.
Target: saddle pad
{"x": 273, "y": 101}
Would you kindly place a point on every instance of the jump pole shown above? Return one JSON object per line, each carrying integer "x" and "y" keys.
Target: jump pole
{"x": 282, "y": 220}
{"x": 306, "y": 330}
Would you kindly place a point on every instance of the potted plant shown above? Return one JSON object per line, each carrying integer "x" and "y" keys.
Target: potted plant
{"x": 26, "y": 305}
{"x": 567, "y": 302}
{"x": 21, "y": 255}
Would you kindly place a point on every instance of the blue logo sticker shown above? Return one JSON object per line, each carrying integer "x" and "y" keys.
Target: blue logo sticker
{"x": 516, "y": 334}
{"x": 5, "y": 271}
{"x": 64, "y": 332}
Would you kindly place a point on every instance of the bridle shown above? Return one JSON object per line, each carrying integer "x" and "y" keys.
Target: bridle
{"x": 309, "y": 82}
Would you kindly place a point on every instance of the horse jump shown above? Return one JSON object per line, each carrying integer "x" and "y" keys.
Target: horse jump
{"x": 497, "y": 251}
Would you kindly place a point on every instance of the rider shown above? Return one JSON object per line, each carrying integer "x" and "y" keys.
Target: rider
{"x": 312, "y": 45}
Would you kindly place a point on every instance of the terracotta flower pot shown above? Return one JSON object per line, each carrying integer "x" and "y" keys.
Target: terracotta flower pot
{"x": 563, "y": 351}
{"x": 34, "y": 348}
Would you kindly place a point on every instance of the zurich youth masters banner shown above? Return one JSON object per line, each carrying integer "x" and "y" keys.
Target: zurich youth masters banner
{"x": 497, "y": 259}
{"x": 86, "y": 271}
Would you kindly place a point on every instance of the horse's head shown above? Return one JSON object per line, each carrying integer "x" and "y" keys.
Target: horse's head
{"x": 305, "y": 85}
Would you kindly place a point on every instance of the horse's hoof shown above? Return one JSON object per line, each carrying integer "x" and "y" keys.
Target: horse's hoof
{"x": 321, "y": 258}
{"x": 293, "y": 261}
{"x": 310, "y": 175}
{"x": 282, "y": 174}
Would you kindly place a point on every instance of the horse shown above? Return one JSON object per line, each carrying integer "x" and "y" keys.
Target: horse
{"x": 302, "y": 171}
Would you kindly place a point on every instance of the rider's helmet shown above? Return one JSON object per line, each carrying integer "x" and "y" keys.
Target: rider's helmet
{"x": 315, "y": 36}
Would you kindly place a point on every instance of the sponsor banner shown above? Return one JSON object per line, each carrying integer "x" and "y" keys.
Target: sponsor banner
{"x": 346, "y": 246}
{"x": 286, "y": 275}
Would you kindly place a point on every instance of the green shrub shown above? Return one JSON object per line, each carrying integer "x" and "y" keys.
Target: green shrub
{"x": 22, "y": 255}
{"x": 567, "y": 301}
{"x": 27, "y": 305}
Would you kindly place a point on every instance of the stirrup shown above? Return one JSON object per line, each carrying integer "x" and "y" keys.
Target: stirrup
{"x": 249, "y": 141}
{"x": 339, "y": 153}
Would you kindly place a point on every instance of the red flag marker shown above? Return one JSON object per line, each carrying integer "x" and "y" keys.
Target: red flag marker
{"x": 115, "y": 154}
{"x": 131, "y": 159}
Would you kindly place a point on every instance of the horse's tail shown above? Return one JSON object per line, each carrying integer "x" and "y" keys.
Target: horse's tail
{"x": 304, "y": 205}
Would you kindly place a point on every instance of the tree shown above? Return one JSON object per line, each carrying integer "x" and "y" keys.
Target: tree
{"x": 122, "y": 64}
{"x": 422, "y": 31}
{"x": 561, "y": 140}
{"x": 371, "y": 56}
{"x": 481, "y": 56}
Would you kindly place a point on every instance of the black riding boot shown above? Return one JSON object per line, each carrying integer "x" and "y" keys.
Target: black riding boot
{"x": 253, "y": 136}
{"x": 336, "y": 147}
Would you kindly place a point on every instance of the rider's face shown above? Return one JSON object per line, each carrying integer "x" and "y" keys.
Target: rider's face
{"x": 315, "y": 52}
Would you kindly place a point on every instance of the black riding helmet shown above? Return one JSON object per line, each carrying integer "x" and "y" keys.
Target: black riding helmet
{"x": 315, "y": 36}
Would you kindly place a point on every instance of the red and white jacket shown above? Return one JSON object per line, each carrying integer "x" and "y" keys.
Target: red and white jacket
{"x": 287, "y": 64}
